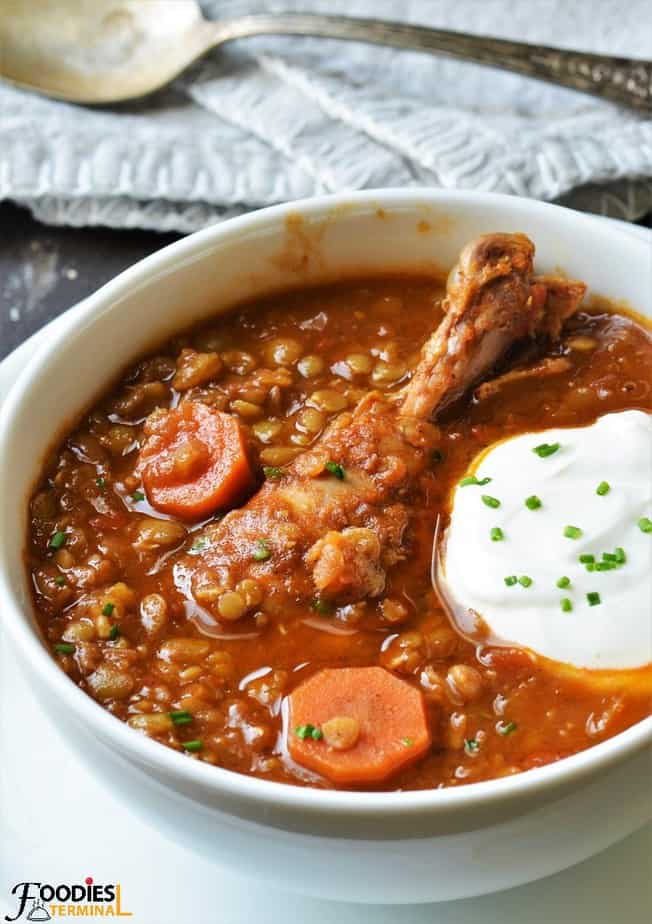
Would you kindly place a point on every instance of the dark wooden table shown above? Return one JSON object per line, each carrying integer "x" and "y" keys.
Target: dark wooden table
{"x": 45, "y": 270}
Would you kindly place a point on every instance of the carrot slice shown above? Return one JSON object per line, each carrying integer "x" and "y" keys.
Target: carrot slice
{"x": 194, "y": 461}
{"x": 389, "y": 715}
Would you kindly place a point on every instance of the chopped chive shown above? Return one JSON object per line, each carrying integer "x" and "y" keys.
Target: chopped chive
{"x": 199, "y": 545}
{"x": 566, "y": 605}
{"x": 58, "y": 540}
{"x": 533, "y": 502}
{"x": 261, "y": 550}
{"x": 621, "y": 558}
{"x": 506, "y": 728}
{"x": 60, "y": 580}
{"x": 100, "y": 482}
{"x": 436, "y": 456}
{"x": 525, "y": 581}
{"x": 195, "y": 745}
{"x": 497, "y": 535}
{"x": 645, "y": 525}
{"x": 606, "y": 566}
{"x": 335, "y": 469}
{"x": 594, "y": 598}
{"x": 408, "y": 742}
{"x": 138, "y": 496}
{"x": 511, "y": 579}
{"x": 108, "y": 609}
{"x": 563, "y": 582}
{"x": 471, "y": 745}
{"x": 64, "y": 648}
{"x": 308, "y": 731}
{"x": 180, "y": 717}
{"x": 471, "y": 479}
{"x": 321, "y": 606}
{"x": 272, "y": 472}
{"x": 490, "y": 501}
{"x": 609, "y": 556}
{"x": 572, "y": 532}
{"x": 603, "y": 488}
{"x": 590, "y": 566}
{"x": 546, "y": 449}
{"x": 114, "y": 633}
{"x": 587, "y": 559}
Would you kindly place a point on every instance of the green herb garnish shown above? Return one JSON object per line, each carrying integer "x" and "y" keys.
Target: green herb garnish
{"x": 606, "y": 566}
{"x": 621, "y": 558}
{"x": 603, "y": 488}
{"x": 138, "y": 496}
{"x": 533, "y": 502}
{"x": 64, "y": 648}
{"x": 471, "y": 745}
{"x": 194, "y": 746}
{"x": 645, "y": 525}
{"x": 58, "y": 540}
{"x": 114, "y": 633}
{"x": 60, "y": 580}
{"x": 506, "y": 729}
{"x": 594, "y": 598}
{"x": 490, "y": 501}
{"x": 261, "y": 550}
{"x": 566, "y": 605}
{"x": 572, "y": 532}
{"x": 471, "y": 479}
{"x": 587, "y": 559}
{"x": 525, "y": 581}
{"x": 308, "y": 731}
{"x": 199, "y": 545}
{"x": 563, "y": 582}
{"x": 272, "y": 472}
{"x": 546, "y": 449}
{"x": 321, "y": 606}
{"x": 511, "y": 579}
{"x": 609, "y": 556}
{"x": 108, "y": 609}
{"x": 100, "y": 482}
{"x": 497, "y": 535}
{"x": 180, "y": 717}
{"x": 335, "y": 469}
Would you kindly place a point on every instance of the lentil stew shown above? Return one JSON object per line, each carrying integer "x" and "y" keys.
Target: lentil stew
{"x": 231, "y": 551}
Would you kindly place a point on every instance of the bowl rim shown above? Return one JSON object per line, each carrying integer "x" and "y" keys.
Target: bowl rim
{"x": 217, "y": 780}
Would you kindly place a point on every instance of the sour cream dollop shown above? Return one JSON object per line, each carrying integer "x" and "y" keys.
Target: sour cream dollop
{"x": 612, "y": 630}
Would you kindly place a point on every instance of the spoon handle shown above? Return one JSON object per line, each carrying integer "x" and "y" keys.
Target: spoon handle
{"x": 621, "y": 80}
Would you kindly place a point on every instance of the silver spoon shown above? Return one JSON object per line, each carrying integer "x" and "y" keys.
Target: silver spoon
{"x": 105, "y": 51}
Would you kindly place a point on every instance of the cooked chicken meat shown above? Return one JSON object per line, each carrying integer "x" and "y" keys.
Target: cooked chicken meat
{"x": 545, "y": 368}
{"x": 338, "y": 517}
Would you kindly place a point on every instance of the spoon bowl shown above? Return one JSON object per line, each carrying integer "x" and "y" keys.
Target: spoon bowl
{"x": 100, "y": 51}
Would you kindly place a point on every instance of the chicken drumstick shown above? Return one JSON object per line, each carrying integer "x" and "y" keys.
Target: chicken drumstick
{"x": 338, "y": 517}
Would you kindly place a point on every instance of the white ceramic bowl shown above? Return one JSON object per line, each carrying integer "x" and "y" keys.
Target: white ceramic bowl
{"x": 370, "y": 847}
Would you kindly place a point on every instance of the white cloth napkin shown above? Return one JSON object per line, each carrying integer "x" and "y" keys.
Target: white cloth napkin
{"x": 269, "y": 120}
